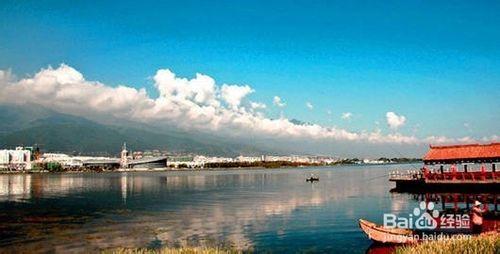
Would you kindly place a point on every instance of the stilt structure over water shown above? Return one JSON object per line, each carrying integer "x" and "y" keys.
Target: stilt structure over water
{"x": 466, "y": 168}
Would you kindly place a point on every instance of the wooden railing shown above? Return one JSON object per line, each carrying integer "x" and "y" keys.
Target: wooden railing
{"x": 463, "y": 176}
{"x": 405, "y": 175}
{"x": 477, "y": 176}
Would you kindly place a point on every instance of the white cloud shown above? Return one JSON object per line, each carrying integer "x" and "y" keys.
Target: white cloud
{"x": 394, "y": 121}
{"x": 467, "y": 127}
{"x": 492, "y": 138}
{"x": 309, "y": 106}
{"x": 257, "y": 105}
{"x": 64, "y": 88}
{"x": 197, "y": 104}
{"x": 201, "y": 89}
{"x": 278, "y": 102}
{"x": 346, "y": 116}
{"x": 233, "y": 94}
{"x": 5, "y": 76}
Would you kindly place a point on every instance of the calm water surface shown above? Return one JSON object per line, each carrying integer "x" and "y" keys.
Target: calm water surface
{"x": 264, "y": 210}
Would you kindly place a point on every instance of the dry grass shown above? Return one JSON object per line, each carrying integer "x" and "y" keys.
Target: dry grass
{"x": 486, "y": 244}
{"x": 166, "y": 250}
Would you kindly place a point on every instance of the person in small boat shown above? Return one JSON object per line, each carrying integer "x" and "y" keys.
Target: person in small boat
{"x": 477, "y": 218}
{"x": 312, "y": 178}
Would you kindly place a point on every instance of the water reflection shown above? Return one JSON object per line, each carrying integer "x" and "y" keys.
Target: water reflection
{"x": 15, "y": 187}
{"x": 124, "y": 187}
{"x": 261, "y": 209}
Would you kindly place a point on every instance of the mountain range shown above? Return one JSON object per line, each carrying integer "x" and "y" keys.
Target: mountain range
{"x": 27, "y": 125}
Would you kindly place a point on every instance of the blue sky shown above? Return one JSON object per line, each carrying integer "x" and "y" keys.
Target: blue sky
{"x": 436, "y": 63}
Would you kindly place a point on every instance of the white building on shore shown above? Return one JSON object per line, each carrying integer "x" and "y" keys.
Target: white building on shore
{"x": 18, "y": 159}
{"x": 242, "y": 158}
{"x": 63, "y": 159}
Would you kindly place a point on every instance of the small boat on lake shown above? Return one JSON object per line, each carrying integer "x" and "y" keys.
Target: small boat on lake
{"x": 382, "y": 234}
{"x": 312, "y": 179}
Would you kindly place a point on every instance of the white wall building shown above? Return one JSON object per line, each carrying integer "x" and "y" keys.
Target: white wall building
{"x": 19, "y": 159}
{"x": 248, "y": 159}
{"x": 63, "y": 159}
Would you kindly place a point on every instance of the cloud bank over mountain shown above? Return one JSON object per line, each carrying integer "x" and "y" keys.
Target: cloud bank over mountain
{"x": 198, "y": 104}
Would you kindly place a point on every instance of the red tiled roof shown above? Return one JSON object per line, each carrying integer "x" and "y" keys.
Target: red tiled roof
{"x": 457, "y": 152}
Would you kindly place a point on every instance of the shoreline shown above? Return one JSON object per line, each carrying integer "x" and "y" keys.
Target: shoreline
{"x": 168, "y": 169}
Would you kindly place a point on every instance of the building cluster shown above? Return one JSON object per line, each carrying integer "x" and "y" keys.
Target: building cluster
{"x": 23, "y": 158}
{"x": 199, "y": 161}
{"x": 68, "y": 161}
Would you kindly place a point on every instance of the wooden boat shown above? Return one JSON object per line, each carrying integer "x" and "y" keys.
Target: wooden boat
{"x": 312, "y": 179}
{"x": 387, "y": 235}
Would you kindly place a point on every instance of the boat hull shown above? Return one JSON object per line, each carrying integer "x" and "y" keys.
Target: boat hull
{"x": 386, "y": 235}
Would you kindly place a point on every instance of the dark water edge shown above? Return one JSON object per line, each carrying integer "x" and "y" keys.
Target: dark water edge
{"x": 263, "y": 210}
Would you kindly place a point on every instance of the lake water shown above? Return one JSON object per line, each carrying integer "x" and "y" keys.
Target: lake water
{"x": 264, "y": 210}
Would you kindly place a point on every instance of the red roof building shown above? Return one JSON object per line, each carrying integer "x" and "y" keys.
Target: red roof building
{"x": 471, "y": 153}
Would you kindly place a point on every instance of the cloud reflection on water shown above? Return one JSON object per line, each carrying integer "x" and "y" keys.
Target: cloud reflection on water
{"x": 187, "y": 208}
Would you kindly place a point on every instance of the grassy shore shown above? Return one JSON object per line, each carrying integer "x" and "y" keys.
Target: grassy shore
{"x": 487, "y": 243}
{"x": 166, "y": 250}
